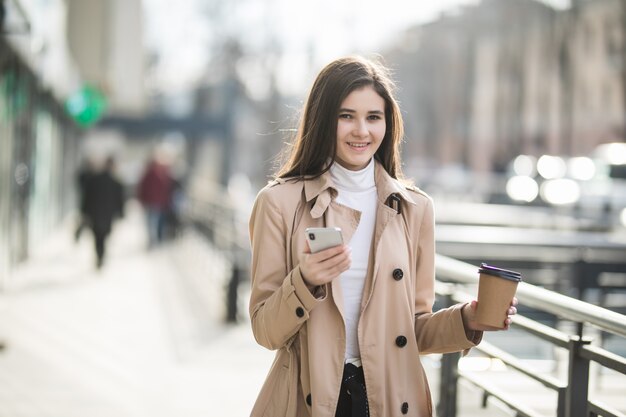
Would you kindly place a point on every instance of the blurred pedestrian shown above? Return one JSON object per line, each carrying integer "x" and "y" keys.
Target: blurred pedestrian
{"x": 172, "y": 217}
{"x": 155, "y": 194}
{"x": 351, "y": 321}
{"x": 104, "y": 202}
{"x": 85, "y": 172}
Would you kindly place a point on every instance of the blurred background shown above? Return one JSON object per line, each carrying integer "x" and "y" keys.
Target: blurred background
{"x": 515, "y": 102}
{"x": 515, "y": 116}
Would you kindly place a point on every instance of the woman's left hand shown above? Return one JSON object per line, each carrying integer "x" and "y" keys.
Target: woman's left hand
{"x": 469, "y": 317}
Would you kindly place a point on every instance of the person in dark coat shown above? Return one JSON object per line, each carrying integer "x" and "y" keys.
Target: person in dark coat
{"x": 104, "y": 202}
{"x": 83, "y": 175}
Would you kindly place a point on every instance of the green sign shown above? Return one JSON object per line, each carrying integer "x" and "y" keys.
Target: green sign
{"x": 86, "y": 106}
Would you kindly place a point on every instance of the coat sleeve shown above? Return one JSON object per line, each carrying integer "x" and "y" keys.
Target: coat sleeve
{"x": 443, "y": 331}
{"x": 280, "y": 301}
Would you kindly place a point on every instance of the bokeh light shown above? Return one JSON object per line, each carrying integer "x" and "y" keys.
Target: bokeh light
{"x": 581, "y": 168}
{"x": 522, "y": 188}
{"x": 525, "y": 165}
{"x": 551, "y": 167}
{"x": 613, "y": 153}
{"x": 560, "y": 191}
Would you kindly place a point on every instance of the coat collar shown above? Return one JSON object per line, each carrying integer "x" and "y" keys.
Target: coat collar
{"x": 324, "y": 190}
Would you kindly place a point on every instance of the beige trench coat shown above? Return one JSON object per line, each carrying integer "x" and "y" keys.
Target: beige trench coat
{"x": 396, "y": 324}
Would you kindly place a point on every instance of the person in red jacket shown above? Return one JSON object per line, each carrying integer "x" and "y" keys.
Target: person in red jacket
{"x": 155, "y": 194}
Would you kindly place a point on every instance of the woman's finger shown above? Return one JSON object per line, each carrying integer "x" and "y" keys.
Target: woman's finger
{"x": 326, "y": 265}
{"x": 328, "y": 253}
{"x": 335, "y": 260}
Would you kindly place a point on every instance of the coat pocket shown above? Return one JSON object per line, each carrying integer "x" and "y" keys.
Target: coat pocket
{"x": 278, "y": 394}
{"x": 429, "y": 398}
{"x": 279, "y": 397}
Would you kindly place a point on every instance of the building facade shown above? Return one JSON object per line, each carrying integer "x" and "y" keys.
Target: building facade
{"x": 504, "y": 77}
{"x": 48, "y": 50}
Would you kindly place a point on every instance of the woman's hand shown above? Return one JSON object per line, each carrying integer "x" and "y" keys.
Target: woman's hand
{"x": 324, "y": 266}
{"x": 469, "y": 317}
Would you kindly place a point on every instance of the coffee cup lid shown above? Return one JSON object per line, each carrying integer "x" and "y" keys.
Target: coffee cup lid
{"x": 499, "y": 272}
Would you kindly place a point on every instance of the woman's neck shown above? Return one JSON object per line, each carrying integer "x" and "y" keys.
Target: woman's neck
{"x": 353, "y": 180}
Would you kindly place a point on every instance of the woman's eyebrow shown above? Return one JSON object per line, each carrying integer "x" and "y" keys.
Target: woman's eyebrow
{"x": 344, "y": 110}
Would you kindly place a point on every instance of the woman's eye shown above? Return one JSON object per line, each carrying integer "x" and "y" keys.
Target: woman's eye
{"x": 345, "y": 116}
{"x": 374, "y": 117}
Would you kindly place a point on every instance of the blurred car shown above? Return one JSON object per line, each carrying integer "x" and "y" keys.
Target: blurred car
{"x": 592, "y": 186}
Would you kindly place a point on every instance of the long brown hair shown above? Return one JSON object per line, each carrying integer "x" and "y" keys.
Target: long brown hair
{"x": 314, "y": 143}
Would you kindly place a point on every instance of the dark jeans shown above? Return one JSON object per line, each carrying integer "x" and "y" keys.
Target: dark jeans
{"x": 352, "y": 395}
{"x": 100, "y": 242}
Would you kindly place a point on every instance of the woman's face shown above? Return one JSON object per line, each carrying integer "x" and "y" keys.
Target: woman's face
{"x": 360, "y": 128}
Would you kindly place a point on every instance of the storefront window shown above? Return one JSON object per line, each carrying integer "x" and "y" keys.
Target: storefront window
{"x": 6, "y": 172}
{"x": 44, "y": 204}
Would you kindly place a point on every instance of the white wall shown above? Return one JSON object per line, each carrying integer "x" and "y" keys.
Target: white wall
{"x": 106, "y": 40}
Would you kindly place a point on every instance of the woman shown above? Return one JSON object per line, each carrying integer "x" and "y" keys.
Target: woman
{"x": 349, "y": 322}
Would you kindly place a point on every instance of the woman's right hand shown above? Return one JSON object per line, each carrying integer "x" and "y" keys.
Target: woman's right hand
{"x": 324, "y": 266}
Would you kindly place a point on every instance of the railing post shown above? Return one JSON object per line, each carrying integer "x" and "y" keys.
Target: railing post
{"x": 561, "y": 397}
{"x": 449, "y": 378}
{"x": 448, "y": 385}
{"x": 232, "y": 293}
{"x": 236, "y": 268}
{"x": 576, "y": 397}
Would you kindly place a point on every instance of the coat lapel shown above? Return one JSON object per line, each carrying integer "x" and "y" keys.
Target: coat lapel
{"x": 385, "y": 187}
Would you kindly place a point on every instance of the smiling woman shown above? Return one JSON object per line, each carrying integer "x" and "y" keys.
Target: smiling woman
{"x": 346, "y": 347}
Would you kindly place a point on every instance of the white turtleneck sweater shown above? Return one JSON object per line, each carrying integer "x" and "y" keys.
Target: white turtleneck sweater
{"x": 357, "y": 190}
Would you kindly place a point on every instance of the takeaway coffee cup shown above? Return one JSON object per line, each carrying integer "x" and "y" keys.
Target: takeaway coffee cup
{"x": 496, "y": 289}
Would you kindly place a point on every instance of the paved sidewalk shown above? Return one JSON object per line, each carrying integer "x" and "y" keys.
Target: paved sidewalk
{"x": 123, "y": 341}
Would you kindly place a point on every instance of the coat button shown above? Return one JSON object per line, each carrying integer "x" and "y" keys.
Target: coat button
{"x": 308, "y": 400}
{"x": 405, "y": 408}
{"x": 299, "y": 312}
{"x": 398, "y": 274}
{"x": 401, "y": 341}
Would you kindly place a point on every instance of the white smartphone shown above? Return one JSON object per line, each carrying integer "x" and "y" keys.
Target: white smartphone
{"x": 321, "y": 238}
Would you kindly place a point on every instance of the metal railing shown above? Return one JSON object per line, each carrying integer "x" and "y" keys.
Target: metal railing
{"x": 573, "y": 394}
{"x": 211, "y": 211}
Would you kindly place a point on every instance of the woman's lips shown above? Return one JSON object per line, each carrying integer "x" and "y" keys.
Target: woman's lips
{"x": 358, "y": 146}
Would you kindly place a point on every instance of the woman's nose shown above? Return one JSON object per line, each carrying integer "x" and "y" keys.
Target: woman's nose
{"x": 360, "y": 129}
